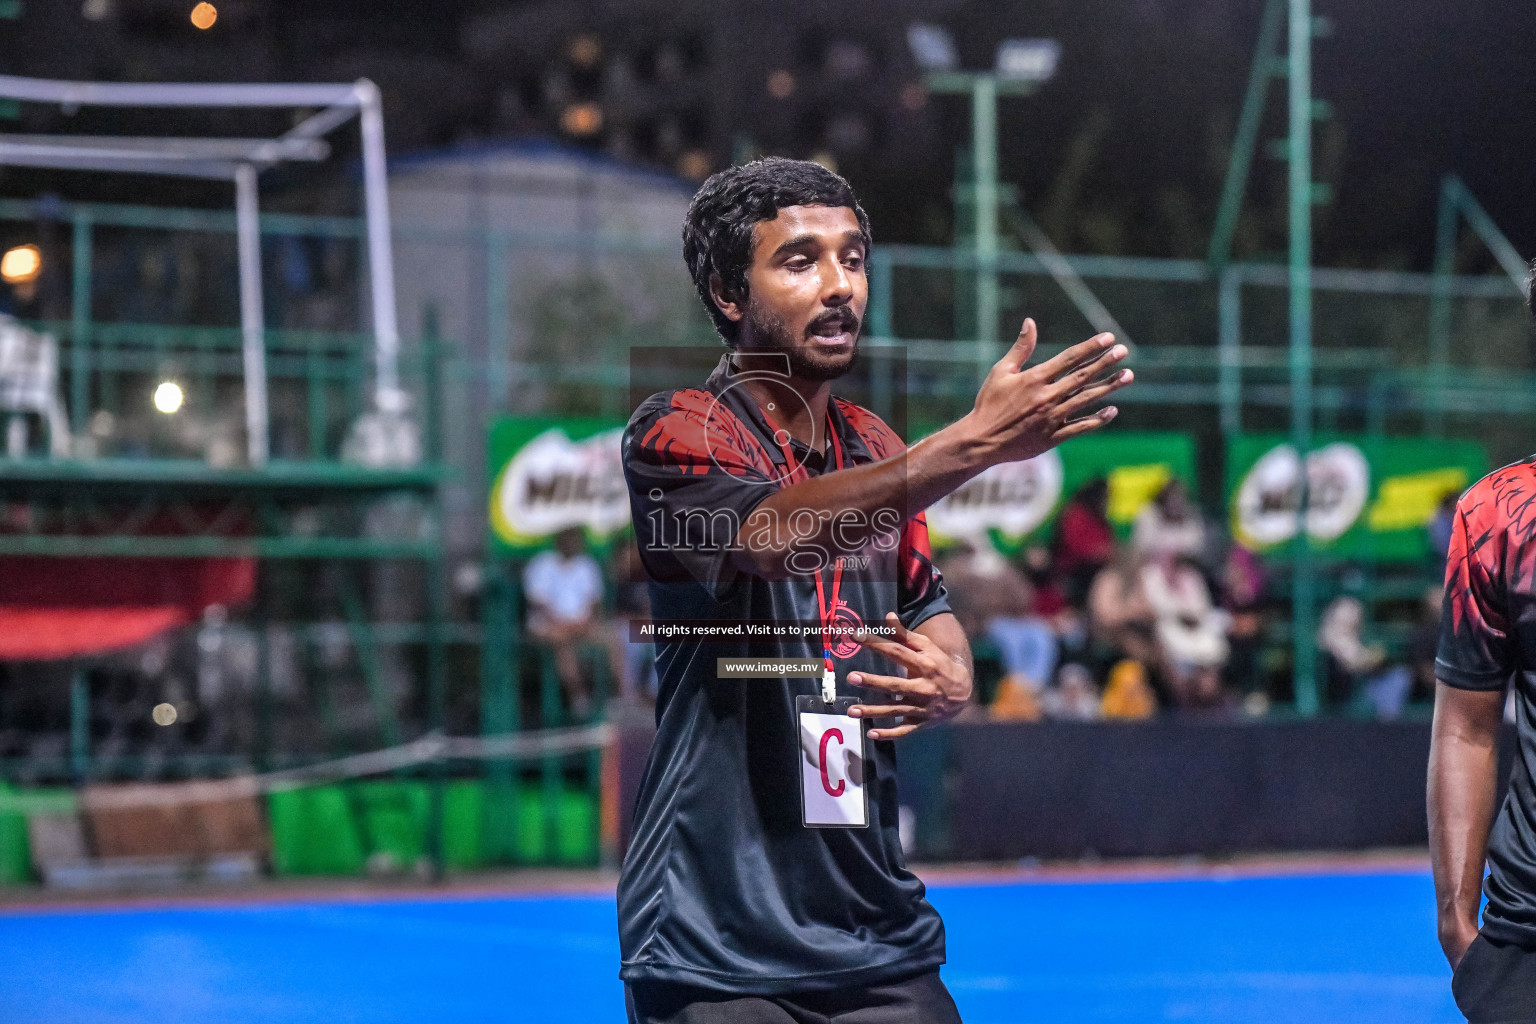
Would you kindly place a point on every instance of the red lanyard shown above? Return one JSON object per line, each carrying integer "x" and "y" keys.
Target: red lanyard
{"x": 822, "y": 607}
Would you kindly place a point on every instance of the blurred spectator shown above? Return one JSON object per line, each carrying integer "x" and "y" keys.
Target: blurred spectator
{"x": 1074, "y": 697}
{"x": 1085, "y": 542}
{"x": 1016, "y": 702}
{"x": 1120, "y": 620}
{"x": 1440, "y": 528}
{"x": 1191, "y": 633}
{"x": 1170, "y": 525}
{"x": 1358, "y": 672}
{"x": 1127, "y": 694}
{"x": 633, "y": 606}
{"x": 1423, "y": 643}
{"x": 1066, "y": 621}
{"x": 564, "y": 588}
{"x": 992, "y": 598}
{"x": 1050, "y": 601}
{"x": 1242, "y": 597}
{"x": 972, "y": 587}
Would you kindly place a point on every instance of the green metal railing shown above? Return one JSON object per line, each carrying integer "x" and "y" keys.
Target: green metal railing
{"x": 1211, "y": 337}
{"x": 1215, "y": 355}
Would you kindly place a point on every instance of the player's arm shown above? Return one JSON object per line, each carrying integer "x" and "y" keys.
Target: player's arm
{"x": 1463, "y": 778}
{"x": 937, "y": 659}
{"x": 1018, "y": 414}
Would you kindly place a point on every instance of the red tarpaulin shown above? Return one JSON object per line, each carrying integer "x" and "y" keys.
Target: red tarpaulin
{"x": 68, "y": 607}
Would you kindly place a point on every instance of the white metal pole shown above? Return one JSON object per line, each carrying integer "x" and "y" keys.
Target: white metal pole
{"x": 252, "y": 328}
{"x": 386, "y": 331}
{"x": 171, "y": 94}
{"x": 984, "y": 157}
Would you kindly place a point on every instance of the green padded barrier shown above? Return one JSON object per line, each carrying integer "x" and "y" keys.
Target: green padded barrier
{"x": 333, "y": 830}
{"x": 464, "y": 824}
{"x": 15, "y": 855}
{"x": 394, "y": 817}
{"x": 15, "y": 805}
{"x": 575, "y": 828}
{"x": 314, "y": 833}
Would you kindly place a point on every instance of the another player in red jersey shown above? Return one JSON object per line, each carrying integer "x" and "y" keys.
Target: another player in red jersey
{"x": 1487, "y": 646}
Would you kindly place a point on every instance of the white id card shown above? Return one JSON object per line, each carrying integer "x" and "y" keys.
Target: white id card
{"x": 833, "y": 764}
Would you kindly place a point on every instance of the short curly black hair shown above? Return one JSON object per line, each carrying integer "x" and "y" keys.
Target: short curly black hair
{"x": 719, "y": 232}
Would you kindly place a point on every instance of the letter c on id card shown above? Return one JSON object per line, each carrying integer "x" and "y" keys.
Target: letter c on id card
{"x": 833, "y": 765}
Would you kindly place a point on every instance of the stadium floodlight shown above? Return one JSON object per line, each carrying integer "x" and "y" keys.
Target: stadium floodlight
{"x": 933, "y": 48}
{"x": 21, "y": 265}
{"x": 238, "y": 161}
{"x": 168, "y": 397}
{"x": 1027, "y": 60}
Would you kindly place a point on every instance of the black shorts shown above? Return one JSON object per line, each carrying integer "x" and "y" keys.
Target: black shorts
{"x": 921, "y": 999}
{"x": 1495, "y": 983}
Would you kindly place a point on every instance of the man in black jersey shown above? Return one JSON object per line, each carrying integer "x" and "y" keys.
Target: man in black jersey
{"x": 1487, "y": 648}
{"x": 765, "y": 880}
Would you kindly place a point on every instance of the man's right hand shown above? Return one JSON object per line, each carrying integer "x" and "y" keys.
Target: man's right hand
{"x": 1020, "y": 413}
{"x": 1456, "y": 935}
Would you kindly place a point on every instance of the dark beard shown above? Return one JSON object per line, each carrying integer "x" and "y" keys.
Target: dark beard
{"x": 773, "y": 334}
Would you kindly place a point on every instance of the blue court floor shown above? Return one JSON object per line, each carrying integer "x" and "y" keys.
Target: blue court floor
{"x": 1310, "y": 949}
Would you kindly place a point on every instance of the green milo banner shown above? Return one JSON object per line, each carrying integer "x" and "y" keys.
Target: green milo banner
{"x": 1016, "y": 503}
{"x": 548, "y": 474}
{"x": 1369, "y": 497}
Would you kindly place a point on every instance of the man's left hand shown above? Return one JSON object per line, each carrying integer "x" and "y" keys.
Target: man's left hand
{"x": 937, "y": 685}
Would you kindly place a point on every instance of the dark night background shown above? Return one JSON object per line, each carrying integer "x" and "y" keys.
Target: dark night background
{"x": 1122, "y": 153}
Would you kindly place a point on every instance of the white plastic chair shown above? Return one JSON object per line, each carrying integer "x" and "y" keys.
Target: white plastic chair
{"x": 29, "y": 385}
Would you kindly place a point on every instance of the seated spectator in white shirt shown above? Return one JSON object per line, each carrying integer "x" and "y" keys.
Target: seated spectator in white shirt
{"x": 1190, "y": 630}
{"x": 564, "y": 588}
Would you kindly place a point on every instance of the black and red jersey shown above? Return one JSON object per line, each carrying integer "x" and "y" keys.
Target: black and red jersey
{"x": 722, "y": 886}
{"x": 1488, "y": 642}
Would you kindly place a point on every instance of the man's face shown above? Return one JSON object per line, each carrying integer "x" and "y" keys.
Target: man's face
{"x": 806, "y": 290}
